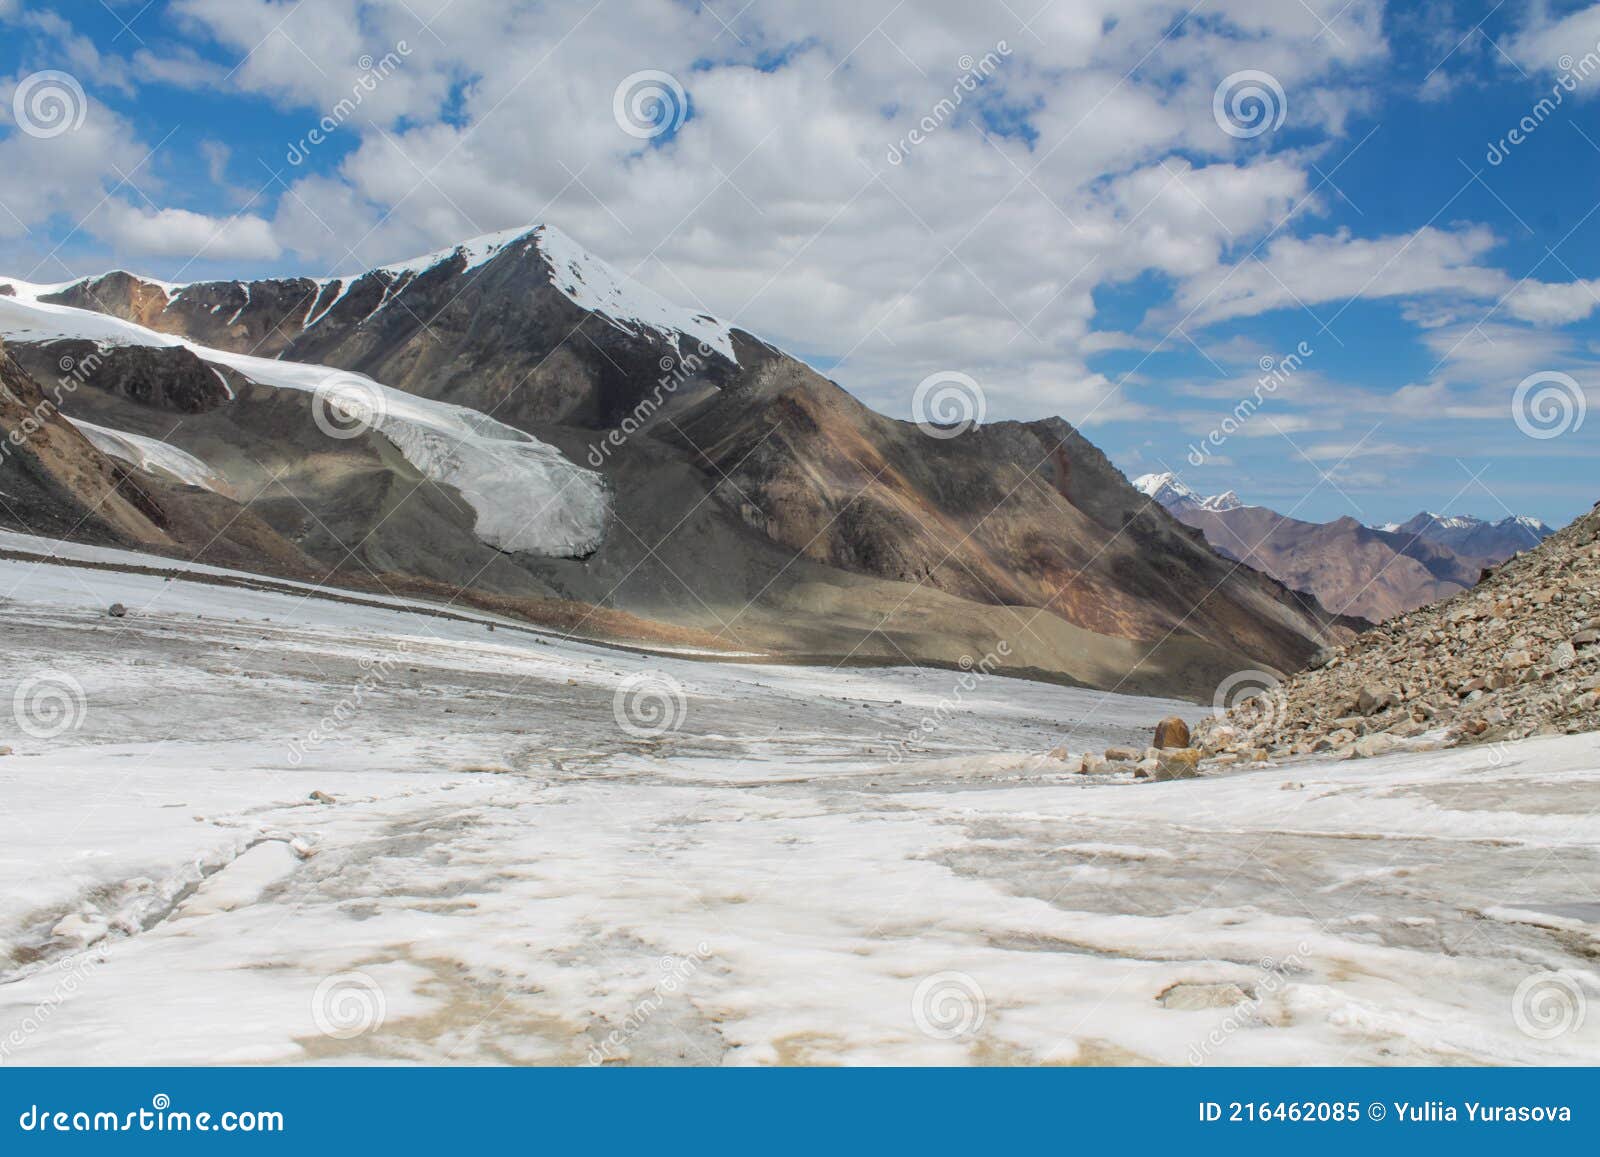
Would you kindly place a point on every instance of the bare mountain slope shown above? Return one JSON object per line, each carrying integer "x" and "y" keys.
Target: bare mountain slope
{"x": 735, "y": 491}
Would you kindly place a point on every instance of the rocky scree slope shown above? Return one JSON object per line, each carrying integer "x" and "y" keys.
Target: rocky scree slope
{"x": 1516, "y": 656}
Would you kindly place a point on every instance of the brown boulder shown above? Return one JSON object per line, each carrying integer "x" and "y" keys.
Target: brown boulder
{"x": 1172, "y": 732}
{"x": 1178, "y": 763}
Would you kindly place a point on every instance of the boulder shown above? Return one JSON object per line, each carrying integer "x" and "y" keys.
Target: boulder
{"x": 1196, "y": 997}
{"x": 117, "y": 611}
{"x": 1178, "y": 763}
{"x": 1172, "y": 732}
{"x": 1122, "y": 755}
{"x": 1374, "y": 697}
{"x": 1369, "y": 746}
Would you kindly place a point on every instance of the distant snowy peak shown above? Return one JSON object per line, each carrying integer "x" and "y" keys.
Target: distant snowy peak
{"x": 1173, "y": 494}
{"x": 1475, "y": 537}
{"x": 1429, "y": 520}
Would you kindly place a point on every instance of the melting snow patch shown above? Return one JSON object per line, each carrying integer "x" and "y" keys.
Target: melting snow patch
{"x": 153, "y": 456}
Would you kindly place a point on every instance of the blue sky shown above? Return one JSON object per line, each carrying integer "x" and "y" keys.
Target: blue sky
{"x": 1085, "y": 232}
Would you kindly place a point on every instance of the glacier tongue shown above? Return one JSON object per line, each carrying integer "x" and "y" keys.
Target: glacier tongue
{"x": 526, "y": 494}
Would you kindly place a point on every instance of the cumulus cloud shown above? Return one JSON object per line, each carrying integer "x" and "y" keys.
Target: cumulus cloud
{"x": 180, "y": 233}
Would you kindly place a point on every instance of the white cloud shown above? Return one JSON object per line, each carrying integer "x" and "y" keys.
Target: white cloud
{"x": 1558, "y": 304}
{"x": 180, "y": 233}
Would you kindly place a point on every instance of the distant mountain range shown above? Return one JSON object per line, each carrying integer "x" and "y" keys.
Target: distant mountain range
{"x": 1476, "y": 537}
{"x": 1373, "y": 572}
{"x": 512, "y": 423}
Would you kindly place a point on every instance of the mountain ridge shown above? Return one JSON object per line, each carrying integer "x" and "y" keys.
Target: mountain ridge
{"x": 747, "y": 495}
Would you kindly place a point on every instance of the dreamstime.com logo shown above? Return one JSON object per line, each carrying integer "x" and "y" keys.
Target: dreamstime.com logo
{"x": 948, "y": 1006}
{"x": 973, "y": 73}
{"x": 49, "y": 104}
{"x": 346, "y": 406}
{"x": 1274, "y": 373}
{"x": 973, "y": 673}
{"x": 375, "y": 672}
{"x": 1548, "y": 404}
{"x": 373, "y": 73}
{"x": 1549, "y": 1004}
{"x": 676, "y": 971}
{"x": 1247, "y": 1013}
{"x": 160, "y": 1117}
{"x": 49, "y": 705}
{"x": 948, "y": 404}
{"x": 649, "y": 704}
{"x": 1255, "y": 698}
{"x": 347, "y": 1005}
{"x": 1248, "y": 103}
{"x": 649, "y": 104}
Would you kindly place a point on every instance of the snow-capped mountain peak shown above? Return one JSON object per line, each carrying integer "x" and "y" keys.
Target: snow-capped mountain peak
{"x": 1171, "y": 492}
{"x": 586, "y": 280}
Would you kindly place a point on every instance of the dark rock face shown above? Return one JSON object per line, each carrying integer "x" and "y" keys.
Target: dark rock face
{"x": 167, "y": 378}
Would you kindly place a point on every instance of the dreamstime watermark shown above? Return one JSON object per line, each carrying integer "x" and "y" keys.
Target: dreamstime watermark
{"x": 649, "y": 104}
{"x": 375, "y": 675}
{"x": 373, "y": 73}
{"x": 74, "y": 372}
{"x": 49, "y": 705}
{"x": 649, "y": 704}
{"x": 49, "y": 104}
{"x": 347, "y": 1005}
{"x": 1573, "y": 72}
{"x": 972, "y": 677}
{"x": 949, "y": 1006}
{"x": 1274, "y": 373}
{"x": 674, "y": 373}
{"x": 1253, "y": 698}
{"x": 947, "y": 404}
{"x": 160, "y": 1117}
{"x": 1248, "y": 103}
{"x": 70, "y": 973}
{"x": 1549, "y": 1004}
{"x": 1548, "y": 404}
{"x": 675, "y": 974}
{"x": 1247, "y": 1012}
{"x": 345, "y": 406}
{"x": 973, "y": 74}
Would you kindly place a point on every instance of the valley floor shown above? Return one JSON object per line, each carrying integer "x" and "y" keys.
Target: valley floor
{"x": 528, "y": 850}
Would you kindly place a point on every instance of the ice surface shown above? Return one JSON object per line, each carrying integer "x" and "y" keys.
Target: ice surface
{"x": 521, "y": 880}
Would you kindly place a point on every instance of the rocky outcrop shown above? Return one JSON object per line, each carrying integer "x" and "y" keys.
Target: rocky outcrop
{"x": 167, "y": 378}
{"x": 1518, "y": 655}
{"x": 52, "y": 479}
